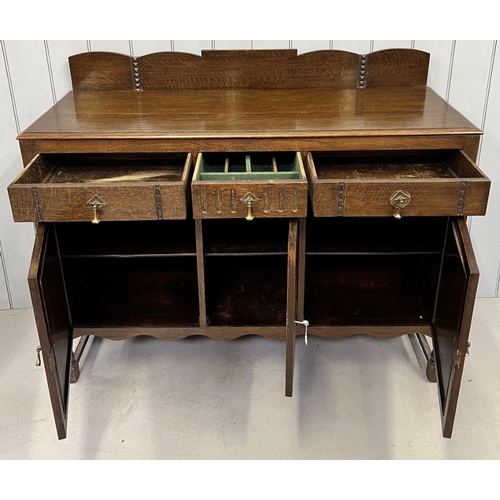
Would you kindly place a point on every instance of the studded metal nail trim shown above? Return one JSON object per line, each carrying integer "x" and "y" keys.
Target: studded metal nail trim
{"x": 38, "y": 210}
{"x": 362, "y": 72}
{"x": 341, "y": 198}
{"x": 136, "y": 73}
{"x": 158, "y": 203}
{"x": 461, "y": 198}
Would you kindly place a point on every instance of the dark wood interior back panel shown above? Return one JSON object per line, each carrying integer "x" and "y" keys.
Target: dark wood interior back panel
{"x": 140, "y": 291}
{"x": 248, "y": 69}
{"x": 369, "y": 289}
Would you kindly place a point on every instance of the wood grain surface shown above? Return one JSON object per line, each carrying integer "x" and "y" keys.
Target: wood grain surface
{"x": 234, "y": 114}
{"x": 248, "y": 69}
{"x": 362, "y": 184}
{"x": 274, "y": 198}
{"x": 228, "y": 278}
{"x": 57, "y": 189}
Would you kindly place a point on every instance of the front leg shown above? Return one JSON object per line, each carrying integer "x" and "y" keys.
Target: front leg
{"x": 76, "y": 357}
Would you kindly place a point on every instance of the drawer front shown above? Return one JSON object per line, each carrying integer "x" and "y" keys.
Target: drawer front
{"x": 453, "y": 187}
{"x": 36, "y": 195}
{"x": 266, "y": 199}
{"x": 116, "y": 203}
{"x": 386, "y": 199}
{"x": 248, "y": 185}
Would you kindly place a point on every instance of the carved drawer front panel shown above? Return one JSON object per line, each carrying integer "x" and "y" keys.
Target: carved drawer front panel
{"x": 249, "y": 185}
{"x": 399, "y": 184}
{"x": 107, "y": 187}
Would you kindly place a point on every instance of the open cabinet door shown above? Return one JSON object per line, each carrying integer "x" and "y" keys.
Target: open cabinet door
{"x": 452, "y": 317}
{"x": 53, "y": 320}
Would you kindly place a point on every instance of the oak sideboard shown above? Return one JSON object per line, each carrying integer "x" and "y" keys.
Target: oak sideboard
{"x": 252, "y": 192}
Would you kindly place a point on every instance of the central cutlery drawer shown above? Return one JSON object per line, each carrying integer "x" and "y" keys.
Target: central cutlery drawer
{"x": 248, "y": 185}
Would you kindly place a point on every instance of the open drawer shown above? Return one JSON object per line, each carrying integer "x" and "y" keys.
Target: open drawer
{"x": 234, "y": 185}
{"x": 95, "y": 187}
{"x": 399, "y": 183}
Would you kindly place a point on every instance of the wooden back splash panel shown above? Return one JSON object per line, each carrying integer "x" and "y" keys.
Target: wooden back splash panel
{"x": 249, "y": 69}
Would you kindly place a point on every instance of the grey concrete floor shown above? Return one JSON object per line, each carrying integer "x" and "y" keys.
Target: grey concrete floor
{"x": 357, "y": 398}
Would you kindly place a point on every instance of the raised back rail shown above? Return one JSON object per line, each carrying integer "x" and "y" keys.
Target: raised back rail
{"x": 249, "y": 69}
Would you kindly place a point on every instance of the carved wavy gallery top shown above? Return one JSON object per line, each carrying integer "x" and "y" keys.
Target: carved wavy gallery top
{"x": 249, "y": 69}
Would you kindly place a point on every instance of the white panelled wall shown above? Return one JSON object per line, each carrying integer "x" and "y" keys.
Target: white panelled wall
{"x": 35, "y": 74}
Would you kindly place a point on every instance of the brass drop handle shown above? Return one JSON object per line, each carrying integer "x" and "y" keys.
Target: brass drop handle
{"x": 95, "y": 219}
{"x": 249, "y": 215}
{"x": 399, "y": 200}
{"x": 249, "y": 200}
{"x": 38, "y": 361}
{"x": 97, "y": 205}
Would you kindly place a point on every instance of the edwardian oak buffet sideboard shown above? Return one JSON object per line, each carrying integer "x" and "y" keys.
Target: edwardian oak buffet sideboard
{"x": 172, "y": 192}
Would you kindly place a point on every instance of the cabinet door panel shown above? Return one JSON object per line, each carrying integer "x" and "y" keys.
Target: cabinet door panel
{"x": 453, "y": 315}
{"x": 53, "y": 320}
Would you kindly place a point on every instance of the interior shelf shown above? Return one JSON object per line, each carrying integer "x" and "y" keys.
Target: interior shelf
{"x": 132, "y": 292}
{"x": 246, "y": 291}
{"x": 371, "y": 289}
{"x": 374, "y": 235}
{"x": 127, "y": 239}
{"x": 234, "y": 237}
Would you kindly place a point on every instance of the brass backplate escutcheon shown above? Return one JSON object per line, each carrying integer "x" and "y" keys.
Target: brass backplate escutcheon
{"x": 96, "y": 201}
{"x": 400, "y": 199}
{"x": 249, "y": 200}
{"x": 97, "y": 205}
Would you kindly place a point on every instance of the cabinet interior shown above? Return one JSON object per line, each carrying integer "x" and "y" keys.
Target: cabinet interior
{"x": 246, "y": 271}
{"x": 359, "y": 271}
{"x": 372, "y": 271}
{"x": 246, "y": 291}
{"x": 130, "y": 273}
{"x": 236, "y": 237}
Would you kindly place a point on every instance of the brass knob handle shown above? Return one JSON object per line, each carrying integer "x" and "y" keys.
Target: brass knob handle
{"x": 399, "y": 200}
{"x": 97, "y": 205}
{"x": 38, "y": 361}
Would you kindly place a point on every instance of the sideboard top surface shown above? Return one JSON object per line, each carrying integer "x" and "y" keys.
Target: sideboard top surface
{"x": 249, "y": 113}
{"x": 249, "y": 94}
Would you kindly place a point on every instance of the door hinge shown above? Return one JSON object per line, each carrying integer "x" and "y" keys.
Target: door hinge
{"x": 52, "y": 364}
{"x": 458, "y": 356}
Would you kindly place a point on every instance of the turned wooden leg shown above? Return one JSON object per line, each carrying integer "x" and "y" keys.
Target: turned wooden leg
{"x": 431, "y": 368}
{"x": 76, "y": 357}
{"x": 421, "y": 347}
{"x": 75, "y": 369}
